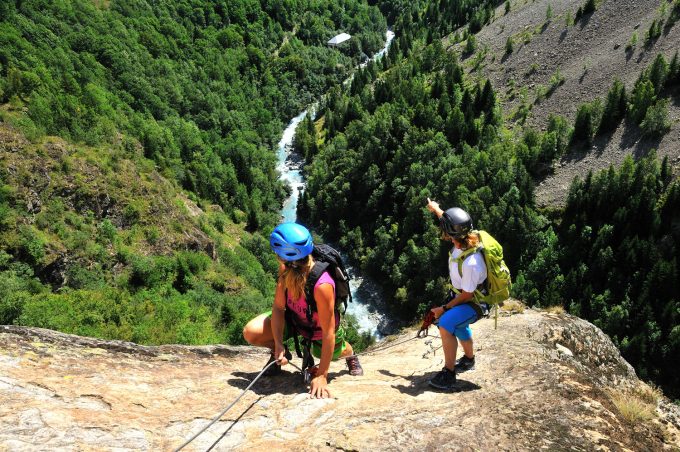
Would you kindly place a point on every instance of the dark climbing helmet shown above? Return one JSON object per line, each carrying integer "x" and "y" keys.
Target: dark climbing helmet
{"x": 456, "y": 222}
{"x": 291, "y": 241}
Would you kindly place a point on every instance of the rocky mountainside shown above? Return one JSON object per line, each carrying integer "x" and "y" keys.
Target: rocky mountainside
{"x": 542, "y": 381}
{"x": 586, "y": 56}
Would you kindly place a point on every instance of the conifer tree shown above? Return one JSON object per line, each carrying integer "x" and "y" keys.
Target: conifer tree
{"x": 615, "y": 107}
{"x": 641, "y": 99}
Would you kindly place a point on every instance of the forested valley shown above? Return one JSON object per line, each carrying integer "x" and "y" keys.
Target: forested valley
{"x": 143, "y": 221}
{"x": 196, "y": 93}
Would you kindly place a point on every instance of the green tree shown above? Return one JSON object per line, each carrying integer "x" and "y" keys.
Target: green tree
{"x": 585, "y": 124}
{"x": 642, "y": 97}
{"x": 656, "y": 122}
{"x": 615, "y": 107}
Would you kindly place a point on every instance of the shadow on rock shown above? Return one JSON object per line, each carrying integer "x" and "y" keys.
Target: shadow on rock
{"x": 420, "y": 384}
{"x": 284, "y": 383}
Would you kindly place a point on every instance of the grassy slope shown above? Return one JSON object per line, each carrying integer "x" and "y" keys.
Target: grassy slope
{"x": 97, "y": 221}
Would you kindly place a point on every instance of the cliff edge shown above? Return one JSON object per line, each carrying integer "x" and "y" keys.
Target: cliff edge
{"x": 542, "y": 381}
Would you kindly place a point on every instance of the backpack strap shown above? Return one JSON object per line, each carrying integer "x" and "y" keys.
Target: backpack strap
{"x": 464, "y": 255}
{"x": 317, "y": 270}
{"x": 482, "y": 289}
{"x": 292, "y": 329}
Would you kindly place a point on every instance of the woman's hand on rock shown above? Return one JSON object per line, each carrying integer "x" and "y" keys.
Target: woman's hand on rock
{"x": 318, "y": 389}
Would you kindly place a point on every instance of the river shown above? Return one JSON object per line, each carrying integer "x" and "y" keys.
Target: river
{"x": 290, "y": 167}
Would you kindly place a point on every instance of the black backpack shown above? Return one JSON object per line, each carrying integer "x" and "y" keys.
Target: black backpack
{"x": 328, "y": 259}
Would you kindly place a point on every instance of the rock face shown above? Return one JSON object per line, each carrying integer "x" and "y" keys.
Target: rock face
{"x": 542, "y": 381}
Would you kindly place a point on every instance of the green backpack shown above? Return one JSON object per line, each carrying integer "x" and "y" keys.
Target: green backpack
{"x": 498, "y": 282}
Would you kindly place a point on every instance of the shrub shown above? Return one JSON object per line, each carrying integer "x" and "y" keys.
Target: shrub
{"x": 107, "y": 231}
{"x": 556, "y": 80}
{"x": 633, "y": 42}
{"x": 79, "y": 277}
{"x": 189, "y": 265}
{"x": 32, "y": 247}
{"x": 15, "y": 291}
{"x": 656, "y": 122}
{"x": 509, "y": 46}
{"x": 470, "y": 45}
{"x": 133, "y": 212}
{"x": 587, "y": 116}
{"x": 589, "y": 7}
{"x": 658, "y": 73}
{"x": 149, "y": 272}
{"x": 654, "y": 31}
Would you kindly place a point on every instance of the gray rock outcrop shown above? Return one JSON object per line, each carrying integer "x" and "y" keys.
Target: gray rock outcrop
{"x": 542, "y": 381}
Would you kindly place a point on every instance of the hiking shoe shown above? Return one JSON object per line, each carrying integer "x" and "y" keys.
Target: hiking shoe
{"x": 465, "y": 363}
{"x": 354, "y": 366}
{"x": 445, "y": 379}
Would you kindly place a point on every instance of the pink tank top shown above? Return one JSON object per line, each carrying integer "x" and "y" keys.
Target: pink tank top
{"x": 298, "y": 309}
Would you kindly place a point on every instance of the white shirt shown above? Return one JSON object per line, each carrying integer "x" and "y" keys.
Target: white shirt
{"x": 474, "y": 271}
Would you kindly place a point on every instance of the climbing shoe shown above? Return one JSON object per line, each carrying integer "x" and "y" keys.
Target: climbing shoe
{"x": 465, "y": 363}
{"x": 275, "y": 369}
{"x": 445, "y": 379}
{"x": 354, "y": 366}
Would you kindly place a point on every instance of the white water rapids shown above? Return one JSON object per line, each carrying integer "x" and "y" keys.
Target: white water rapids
{"x": 289, "y": 167}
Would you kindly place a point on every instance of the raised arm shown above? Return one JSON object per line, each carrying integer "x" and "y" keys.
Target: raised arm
{"x": 433, "y": 206}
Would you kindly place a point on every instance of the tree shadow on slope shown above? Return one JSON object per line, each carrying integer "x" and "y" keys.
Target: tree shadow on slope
{"x": 419, "y": 383}
{"x": 564, "y": 34}
{"x": 633, "y": 141}
{"x": 578, "y": 152}
{"x": 584, "y": 20}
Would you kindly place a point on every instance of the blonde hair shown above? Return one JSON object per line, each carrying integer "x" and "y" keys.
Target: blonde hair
{"x": 469, "y": 241}
{"x": 294, "y": 276}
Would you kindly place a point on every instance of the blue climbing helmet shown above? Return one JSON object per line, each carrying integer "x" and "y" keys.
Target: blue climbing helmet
{"x": 291, "y": 241}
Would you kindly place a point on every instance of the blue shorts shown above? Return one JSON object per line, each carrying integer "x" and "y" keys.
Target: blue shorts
{"x": 457, "y": 321}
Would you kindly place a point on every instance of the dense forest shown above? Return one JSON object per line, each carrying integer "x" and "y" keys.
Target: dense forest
{"x": 193, "y": 82}
{"x": 425, "y": 128}
{"x": 162, "y": 187}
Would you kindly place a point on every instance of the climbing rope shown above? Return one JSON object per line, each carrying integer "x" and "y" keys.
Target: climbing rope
{"x": 222, "y": 413}
{"x": 216, "y": 418}
{"x": 380, "y": 349}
